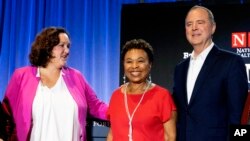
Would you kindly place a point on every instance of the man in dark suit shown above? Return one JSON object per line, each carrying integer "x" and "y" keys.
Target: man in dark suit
{"x": 210, "y": 87}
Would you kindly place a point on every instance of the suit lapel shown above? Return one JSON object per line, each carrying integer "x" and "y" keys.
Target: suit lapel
{"x": 185, "y": 72}
{"x": 208, "y": 64}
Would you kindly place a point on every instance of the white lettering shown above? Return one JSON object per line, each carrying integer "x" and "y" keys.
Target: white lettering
{"x": 238, "y": 39}
{"x": 240, "y": 132}
{"x": 101, "y": 123}
{"x": 237, "y": 132}
{"x": 243, "y": 50}
{"x": 245, "y": 55}
{"x": 186, "y": 55}
{"x": 243, "y": 131}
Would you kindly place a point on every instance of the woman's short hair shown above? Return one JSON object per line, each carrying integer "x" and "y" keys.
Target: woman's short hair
{"x": 138, "y": 44}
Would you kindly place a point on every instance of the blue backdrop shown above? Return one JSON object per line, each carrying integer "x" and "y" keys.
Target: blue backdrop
{"x": 94, "y": 27}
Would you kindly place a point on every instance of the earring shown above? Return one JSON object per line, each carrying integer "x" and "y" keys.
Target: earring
{"x": 124, "y": 79}
{"x": 149, "y": 78}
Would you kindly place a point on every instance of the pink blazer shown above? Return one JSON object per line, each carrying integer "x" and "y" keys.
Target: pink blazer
{"x": 21, "y": 91}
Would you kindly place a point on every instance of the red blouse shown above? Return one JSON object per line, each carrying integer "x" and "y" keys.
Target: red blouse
{"x": 246, "y": 112}
{"x": 155, "y": 109}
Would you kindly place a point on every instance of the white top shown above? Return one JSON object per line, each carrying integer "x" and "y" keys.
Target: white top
{"x": 55, "y": 114}
{"x": 195, "y": 65}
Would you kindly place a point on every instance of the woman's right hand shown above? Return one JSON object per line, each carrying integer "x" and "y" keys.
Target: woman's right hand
{"x": 109, "y": 136}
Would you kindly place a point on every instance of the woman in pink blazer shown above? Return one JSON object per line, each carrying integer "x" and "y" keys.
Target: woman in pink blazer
{"x": 48, "y": 100}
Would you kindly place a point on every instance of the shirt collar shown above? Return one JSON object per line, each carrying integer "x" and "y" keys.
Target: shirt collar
{"x": 204, "y": 53}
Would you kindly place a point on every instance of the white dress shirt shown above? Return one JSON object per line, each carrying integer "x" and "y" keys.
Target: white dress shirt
{"x": 195, "y": 65}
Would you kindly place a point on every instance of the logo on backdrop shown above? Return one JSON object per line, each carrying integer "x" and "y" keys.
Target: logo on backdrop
{"x": 241, "y": 42}
{"x": 186, "y": 55}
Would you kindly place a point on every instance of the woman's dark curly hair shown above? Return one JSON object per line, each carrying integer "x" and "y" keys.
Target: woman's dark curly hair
{"x": 138, "y": 44}
{"x": 41, "y": 49}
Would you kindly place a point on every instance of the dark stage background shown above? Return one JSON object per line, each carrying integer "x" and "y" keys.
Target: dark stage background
{"x": 163, "y": 26}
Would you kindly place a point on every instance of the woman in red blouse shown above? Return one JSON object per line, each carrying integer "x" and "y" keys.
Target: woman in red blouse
{"x": 140, "y": 110}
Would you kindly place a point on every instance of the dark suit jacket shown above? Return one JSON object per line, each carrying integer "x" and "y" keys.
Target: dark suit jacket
{"x": 217, "y": 100}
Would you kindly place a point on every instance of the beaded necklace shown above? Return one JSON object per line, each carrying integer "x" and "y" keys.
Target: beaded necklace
{"x": 130, "y": 117}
